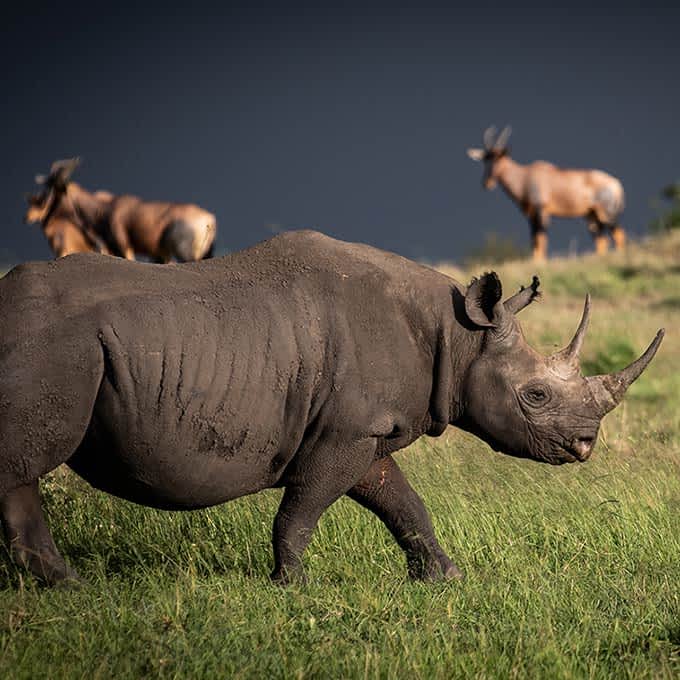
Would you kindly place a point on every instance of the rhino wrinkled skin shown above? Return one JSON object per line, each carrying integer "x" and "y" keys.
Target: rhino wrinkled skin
{"x": 302, "y": 362}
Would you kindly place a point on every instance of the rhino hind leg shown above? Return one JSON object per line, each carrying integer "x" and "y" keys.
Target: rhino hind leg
{"x": 386, "y": 492}
{"x": 314, "y": 482}
{"x": 46, "y": 404}
{"x": 28, "y": 538}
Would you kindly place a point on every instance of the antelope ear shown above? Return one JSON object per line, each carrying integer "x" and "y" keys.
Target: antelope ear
{"x": 483, "y": 301}
{"x": 476, "y": 154}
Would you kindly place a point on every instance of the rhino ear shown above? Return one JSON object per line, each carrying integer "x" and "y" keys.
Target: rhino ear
{"x": 483, "y": 301}
{"x": 525, "y": 297}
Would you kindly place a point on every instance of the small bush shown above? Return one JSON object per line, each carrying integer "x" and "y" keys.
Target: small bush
{"x": 669, "y": 218}
{"x": 619, "y": 353}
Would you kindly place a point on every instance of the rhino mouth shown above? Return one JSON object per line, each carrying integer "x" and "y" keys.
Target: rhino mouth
{"x": 566, "y": 456}
{"x": 576, "y": 451}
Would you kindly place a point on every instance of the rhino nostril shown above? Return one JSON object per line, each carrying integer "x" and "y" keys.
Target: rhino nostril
{"x": 582, "y": 446}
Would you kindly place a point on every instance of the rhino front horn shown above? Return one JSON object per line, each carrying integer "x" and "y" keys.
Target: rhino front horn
{"x": 608, "y": 390}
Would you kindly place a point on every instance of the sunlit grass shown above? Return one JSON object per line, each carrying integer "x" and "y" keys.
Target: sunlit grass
{"x": 572, "y": 572}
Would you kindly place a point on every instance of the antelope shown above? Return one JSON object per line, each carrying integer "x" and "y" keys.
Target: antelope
{"x": 126, "y": 224}
{"x": 67, "y": 215}
{"x": 542, "y": 190}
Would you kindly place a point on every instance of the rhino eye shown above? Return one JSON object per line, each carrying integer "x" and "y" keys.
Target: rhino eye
{"x": 536, "y": 395}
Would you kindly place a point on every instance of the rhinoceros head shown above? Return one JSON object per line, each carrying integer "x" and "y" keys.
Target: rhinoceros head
{"x": 525, "y": 404}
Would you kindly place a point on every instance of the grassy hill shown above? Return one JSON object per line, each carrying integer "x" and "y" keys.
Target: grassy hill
{"x": 572, "y": 572}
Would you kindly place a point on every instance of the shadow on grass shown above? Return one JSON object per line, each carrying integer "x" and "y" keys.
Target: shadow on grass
{"x": 663, "y": 643}
{"x": 672, "y": 302}
{"x": 627, "y": 272}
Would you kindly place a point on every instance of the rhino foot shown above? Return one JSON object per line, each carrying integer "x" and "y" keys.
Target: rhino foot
{"x": 72, "y": 580}
{"x": 453, "y": 573}
{"x": 287, "y": 577}
{"x": 49, "y": 568}
{"x": 439, "y": 569}
{"x": 29, "y": 540}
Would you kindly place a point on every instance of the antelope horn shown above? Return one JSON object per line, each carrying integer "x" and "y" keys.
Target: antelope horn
{"x": 502, "y": 139}
{"x": 488, "y": 137}
{"x": 569, "y": 355}
{"x": 608, "y": 390}
{"x": 64, "y": 168}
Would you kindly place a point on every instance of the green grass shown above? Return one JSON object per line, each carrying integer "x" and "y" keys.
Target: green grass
{"x": 572, "y": 572}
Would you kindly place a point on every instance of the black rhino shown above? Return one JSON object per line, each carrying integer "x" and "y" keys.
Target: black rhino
{"x": 302, "y": 362}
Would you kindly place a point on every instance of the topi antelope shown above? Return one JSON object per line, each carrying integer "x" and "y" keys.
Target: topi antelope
{"x": 542, "y": 190}
{"x": 63, "y": 235}
{"x": 123, "y": 225}
{"x": 68, "y": 219}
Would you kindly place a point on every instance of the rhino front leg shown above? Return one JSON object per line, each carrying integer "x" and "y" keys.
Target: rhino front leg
{"x": 28, "y": 538}
{"x": 312, "y": 485}
{"x": 386, "y": 492}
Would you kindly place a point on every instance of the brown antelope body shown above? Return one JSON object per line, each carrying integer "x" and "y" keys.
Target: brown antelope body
{"x": 161, "y": 230}
{"x": 542, "y": 190}
{"x": 122, "y": 225}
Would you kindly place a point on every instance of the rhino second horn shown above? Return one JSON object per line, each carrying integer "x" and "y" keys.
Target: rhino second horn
{"x": 569, "y": 355}
{"x": 609, "y": 389}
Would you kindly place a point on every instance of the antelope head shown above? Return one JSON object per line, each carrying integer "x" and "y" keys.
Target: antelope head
{"x": 495, "y": 147}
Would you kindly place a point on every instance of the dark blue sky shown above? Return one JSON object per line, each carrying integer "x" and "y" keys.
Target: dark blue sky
{"x": 350, "y": 120}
